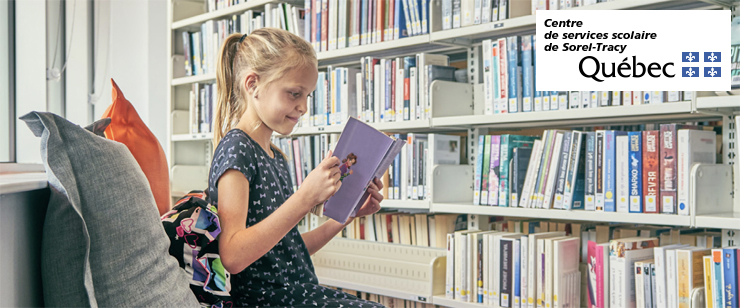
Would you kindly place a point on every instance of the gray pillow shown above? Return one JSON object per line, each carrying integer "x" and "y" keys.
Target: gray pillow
{"x": 103, "y": 243}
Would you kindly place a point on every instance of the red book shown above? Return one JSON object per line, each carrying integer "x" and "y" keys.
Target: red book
{"x": 650, "y": 170}
{"x": 669, "y": 165}
{"x": 391, "y": 17}
{"x": 324, "y": 24}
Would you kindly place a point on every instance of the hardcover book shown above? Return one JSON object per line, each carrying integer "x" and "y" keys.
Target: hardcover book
{"x": 365, "y": 154}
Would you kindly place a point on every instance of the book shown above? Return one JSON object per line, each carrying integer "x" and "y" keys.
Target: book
{"x": 508, "y": 143}
{"x": 690, "y": 275}
{"x": 694, "y": 146}
{"x": 650, "y": 170}
{"x": 518, "y": 170}
{"x": 635, "y": 172}
{"x": 365, "y": 154}
{"x": 495, "y": 171}
{"x": 590, "y": 183}
{"x": 669, "y": 166}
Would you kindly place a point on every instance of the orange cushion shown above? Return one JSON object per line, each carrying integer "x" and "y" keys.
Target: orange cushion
{"x": 127, "y": 127}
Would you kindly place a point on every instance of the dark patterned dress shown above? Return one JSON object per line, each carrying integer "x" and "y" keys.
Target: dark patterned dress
{"x": 284, "y": 277}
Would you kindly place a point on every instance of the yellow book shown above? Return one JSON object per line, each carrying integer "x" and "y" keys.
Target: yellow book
{"x": 708, "y": 291}
{"x": 689, "y": 263}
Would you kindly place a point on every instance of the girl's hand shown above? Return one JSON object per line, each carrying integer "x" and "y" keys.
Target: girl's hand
{"x": 322, "y": 182}
{"x": 372, "y": 204}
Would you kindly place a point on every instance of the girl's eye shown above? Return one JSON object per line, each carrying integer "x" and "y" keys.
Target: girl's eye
{"x": 295, "y": 94}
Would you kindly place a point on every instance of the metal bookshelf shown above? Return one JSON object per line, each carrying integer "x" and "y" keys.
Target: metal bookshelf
{"x": 192, "y": 149}
{"x": 638, "y": 218}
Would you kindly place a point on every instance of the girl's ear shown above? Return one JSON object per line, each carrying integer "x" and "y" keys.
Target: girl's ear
{"x": 250, "y": 84}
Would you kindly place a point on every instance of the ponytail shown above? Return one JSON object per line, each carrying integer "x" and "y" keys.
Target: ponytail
{"x": 228, "y": 105}
{"x": 268, "y": 52}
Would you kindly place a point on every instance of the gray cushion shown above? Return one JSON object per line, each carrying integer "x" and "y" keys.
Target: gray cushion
{"x": 103, "y": 243}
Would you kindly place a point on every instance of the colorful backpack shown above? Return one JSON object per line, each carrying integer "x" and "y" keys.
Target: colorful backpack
{"x": 193, "y": 226}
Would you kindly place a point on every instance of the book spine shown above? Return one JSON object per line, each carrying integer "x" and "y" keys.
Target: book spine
{"x": 650, "y": 169}
{"x": 683, "y": 269}
{"x": 493, "y": 174}
{"x": 413, "y": 92}
{"x": 599, "y": 170}
{"x": 516, "y": 277}
{"x": 729, "y": 276}
{"x": 487, "y": 76}
{"x": 451, "y": 267}
{"x": 446, "y": 14}
{"x": 708, "y": 290}
{"x": 324, "y": 25}
{"x": 506, "y": 273}
{"x": 495, "y": 77}
{"x": 527, "y": 73}
{"x": 486, "y": 170}
{"x": 572, "y": 169}
{"x": 668, "y": 168}
{"x": 590, "y": 189}
{"x": 563, "y": 170}
{"x": 503, "y": 75}
{"x": 479, "y": 269}
{"x": 478, "y": 171}
{"x": 635, "y": 172}
{"x": 609, "y": 171}
{"x": 717, "y": 273}
{"x": 524, "y": 270}
{"x": 623, "y": 178}
{"x": 513, "y": 74}
{"x": 506, "y": 151}
{"x": 529, "y": 178}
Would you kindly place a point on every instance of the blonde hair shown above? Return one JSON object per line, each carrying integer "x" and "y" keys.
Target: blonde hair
{"x": 268, "y": 52}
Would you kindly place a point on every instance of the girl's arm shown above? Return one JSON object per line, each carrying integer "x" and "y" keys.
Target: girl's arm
{"x": 240, "y": 246}
{"x": 317, "y": 238}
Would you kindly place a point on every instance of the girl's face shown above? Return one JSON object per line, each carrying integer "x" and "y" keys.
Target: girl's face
{"x": 351, "y": 162}
{"x": 281, "y": 104}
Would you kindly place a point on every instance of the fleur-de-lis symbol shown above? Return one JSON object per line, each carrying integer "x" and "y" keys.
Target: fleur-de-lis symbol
{"x": 712, "y": 72}
{"x": 690, "y": 57}
{"x": 712, "y": 57}
{"x": 690, "y": 72}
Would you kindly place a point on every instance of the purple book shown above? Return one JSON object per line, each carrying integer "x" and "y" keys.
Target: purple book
{"x": 493, "y": 173}
{"x": 365, "y": 154}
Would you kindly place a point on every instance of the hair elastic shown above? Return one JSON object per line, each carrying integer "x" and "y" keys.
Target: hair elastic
{"x": 243, "y": 37}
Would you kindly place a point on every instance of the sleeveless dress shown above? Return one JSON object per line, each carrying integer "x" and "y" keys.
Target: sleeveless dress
{"x": 284, "y": 277}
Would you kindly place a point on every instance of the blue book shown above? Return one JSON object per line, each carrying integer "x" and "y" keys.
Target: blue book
{"x": 424, "y": 19}
{"x": 329, "y": 88}
{"x": 635, "y": 168}
{"x": 478, "y": 170}
{"x": 400, "y": 30}
{"x": 363, "y": 23}
{"x": 408, "y": 63}
{"x": 514, "y": 67}
{"x": 729, "y": 275}
{"x": 717, "y": 263}
{"x": 610, "y": 171}
{"x": 527, "y": 74}
{"x": 317, "y": 42}
{"x": 517, "y": 272}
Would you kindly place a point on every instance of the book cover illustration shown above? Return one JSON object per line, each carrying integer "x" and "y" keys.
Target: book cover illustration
{"x": 366, "y": 154}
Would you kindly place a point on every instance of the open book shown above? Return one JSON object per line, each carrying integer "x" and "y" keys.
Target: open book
{"x": 365, "y": 154}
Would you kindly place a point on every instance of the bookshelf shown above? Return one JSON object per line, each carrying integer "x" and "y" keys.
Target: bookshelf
{"x": 455, "y": 108}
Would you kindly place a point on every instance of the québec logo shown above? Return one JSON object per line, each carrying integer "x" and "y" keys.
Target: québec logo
{"x": 691, "y": 71}
{"x": 695, "y": 71}
{"x": 690, "y": 57}
{"x": 712, "y": 72}
{"x": 712, "y": 57}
